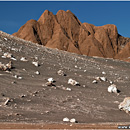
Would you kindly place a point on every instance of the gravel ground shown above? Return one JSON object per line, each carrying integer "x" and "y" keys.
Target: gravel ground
{"x": 30, "y": 100}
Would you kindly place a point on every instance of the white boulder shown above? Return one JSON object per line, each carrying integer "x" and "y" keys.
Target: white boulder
{"x": 37, "y": 72}
{"x": 94, "y": 82}
{"x": 73, "y": 82}
{"x": 125, "y": 105}
{"x": 103, "y": 79}
{"x": 66, "y": 119}
{"x": 73, "y": 120}
{"x": 112, "y": 89}
{"x": 5, "y": 39}
{"x": 23, "y": 59}
{"x": 60, "y": 72}
{"x": 51, "y": 80}
{"x": 103, "y": 72}
{"x": 35, "y": 63}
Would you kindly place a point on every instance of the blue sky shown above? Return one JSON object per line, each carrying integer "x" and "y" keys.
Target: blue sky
{"x": 15, "y": 14}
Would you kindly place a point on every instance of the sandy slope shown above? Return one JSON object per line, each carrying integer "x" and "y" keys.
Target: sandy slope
{"x": 87, "y": 103}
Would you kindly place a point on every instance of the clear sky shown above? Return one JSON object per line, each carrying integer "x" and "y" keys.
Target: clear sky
{"x": 15, "y": 14}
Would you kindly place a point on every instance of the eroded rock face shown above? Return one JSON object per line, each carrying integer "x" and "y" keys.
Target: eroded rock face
{"x": 65, "y": 32}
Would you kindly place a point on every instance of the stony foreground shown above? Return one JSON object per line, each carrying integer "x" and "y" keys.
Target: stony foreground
{"x": 26, "y": 97}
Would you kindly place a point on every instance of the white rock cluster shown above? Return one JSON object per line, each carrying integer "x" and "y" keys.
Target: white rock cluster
{"x": 17, "y": 77}
{"x": 99, "y": 79}
{"x": 125, "y": 105}
{"x": 73, "y": 82}
{"x": 7, "y": 55}
{"x": 66, "y": 119}
{"x": 5, "y": 67}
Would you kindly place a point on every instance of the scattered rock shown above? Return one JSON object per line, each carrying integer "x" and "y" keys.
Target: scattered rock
{"x": 17, "y": 77}
{"x": 47, "y": 112}
{"x": 94, "y": 82}
{"x": 66, "y": 119}
{"x": 5, "y": 39}
{"x": 110, "y": 82}
{"x": 73, "y": 120}
{"x": 84, "y": 86}
{"x": 76, "y": 66}
{"x": 60, "y": 72}
{"x": 35, "y": 63}
{"x": 12, "y": 58}
{"x": 6, "y": 67}
{"x": 97, "y": 78}
{"x": 9, "y": 65}
{"x": 13, "y": 82}
{"x": 23, "y": 59}
{"x": 37, "y": 72}
{"x": 22, "y": 96}
{"x": 68, "y": 89}
{"x": 49, "y": 84}
{"x": 112, "y": 89}
{"x": 125, "y": 105}
{"x": 103, "y": 79}
{"x": 7, "y": 55}
{"x": 51, "y": 80}
{"x": 103, "y": 72}
{"x": 20, "y": 77}
{"x": 7, "y": 101}
{"x": 73, "y": 82}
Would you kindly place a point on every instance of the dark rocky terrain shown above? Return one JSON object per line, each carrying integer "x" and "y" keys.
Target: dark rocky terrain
{"x": 29, "y": 100}
{"x": 65, "y": 32}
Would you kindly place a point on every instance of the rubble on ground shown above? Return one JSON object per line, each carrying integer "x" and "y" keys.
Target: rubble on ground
{"x": 6, "y": 67}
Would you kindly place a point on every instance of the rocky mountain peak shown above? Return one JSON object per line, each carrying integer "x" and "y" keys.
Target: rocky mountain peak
{"x": 65, "y": 32}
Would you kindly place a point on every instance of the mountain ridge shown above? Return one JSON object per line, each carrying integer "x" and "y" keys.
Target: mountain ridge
{"x": 64, "y": 31}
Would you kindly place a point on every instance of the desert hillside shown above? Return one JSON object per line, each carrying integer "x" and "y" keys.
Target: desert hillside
{"x": 65, "y": 32}
{"x": 45, "y": 86}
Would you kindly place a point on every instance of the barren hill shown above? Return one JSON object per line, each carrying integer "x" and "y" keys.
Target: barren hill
{"x": 65, "y": 32}
{"x": 26, "y": 98}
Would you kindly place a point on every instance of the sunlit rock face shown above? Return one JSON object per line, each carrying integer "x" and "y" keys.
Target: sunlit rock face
{"x": 65, "y": 32}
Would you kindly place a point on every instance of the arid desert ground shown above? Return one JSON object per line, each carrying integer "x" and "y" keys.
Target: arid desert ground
{"x": 26, "y": 98}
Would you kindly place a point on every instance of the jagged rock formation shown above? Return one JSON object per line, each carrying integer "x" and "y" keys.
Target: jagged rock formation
{"x": 65, "y": 32}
